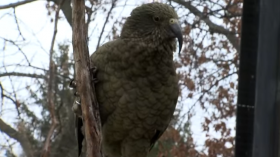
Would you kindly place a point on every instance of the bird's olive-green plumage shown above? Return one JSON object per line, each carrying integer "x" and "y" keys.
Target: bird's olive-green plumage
{"x": 138, "y": 87}
{"x": 153, "y": 24}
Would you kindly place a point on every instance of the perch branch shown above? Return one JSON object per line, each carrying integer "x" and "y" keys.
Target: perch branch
{"x": 13, "y": 5}
{"x": 85, "y": 88}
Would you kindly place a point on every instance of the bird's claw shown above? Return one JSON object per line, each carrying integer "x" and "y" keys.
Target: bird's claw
{"x": 94, "y": 75}
{"x": 76, "y": 94}
{"x": 94, "y": 70}
{"x": 73, "y": 83}
{"x": 76, "y": 108}
{"x": 94, "y": 80}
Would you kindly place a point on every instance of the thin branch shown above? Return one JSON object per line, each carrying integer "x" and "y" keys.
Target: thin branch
{"x": 17, "y": 104}
{"x": 105, "y": 23}
{"x": 13, "y": 5}
{"x": 9, "y": 147}
{"x": 85, "y": 88}
{"x": 15, "y": 44}
{"x": 16, "y": 20}
{"x": 212, "y": 26}
{"x": 27, "y": 66}
{"x": 54, "y": 121}
{"x": 14, "y": 93}
{"x": 119, "y": 17}
{"x": 208, "y": 90}
{"x": 89, "y": 14}
{"x": 203, "y": 94}
{"x": 17, "y": 135}
{"x": 18, "y": 74}
{"x": 67, "y": 9}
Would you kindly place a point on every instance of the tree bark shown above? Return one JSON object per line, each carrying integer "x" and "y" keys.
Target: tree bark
{"x": 86, "y": 90}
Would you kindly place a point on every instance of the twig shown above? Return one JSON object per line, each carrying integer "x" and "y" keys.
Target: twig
{"x": 20, "y": 65}
{"x": 22, "y": 75}
{"x": 15, "y": 44}
{"x": 212, "y": 26}
{"x": 14, "y": 93}
{"x": 11, "y": 132}
{"x": 17, "y": 135}
{"x": 105, "y": 23}
{"x": 86, "y": 90}
{"x": 208, "y": 90}
{"x": 204, "y": 92}
{"x": 66, "y": 9}
{"x": 54, "y": 121}
{"x": 8, "y": 97}
{"x": 15, "y": 16}
{"x": 13, "y": 5}
{"x": 119, "y": 17}
{"x": 89, "y": 14}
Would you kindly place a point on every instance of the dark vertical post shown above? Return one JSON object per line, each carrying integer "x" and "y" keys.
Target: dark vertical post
{"x": 247, "y": 80}
{"x": 266, "y": 124}
{"x": 258, "y": 122}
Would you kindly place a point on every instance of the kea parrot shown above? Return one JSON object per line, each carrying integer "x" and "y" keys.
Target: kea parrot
{"x": 137, "y": 88}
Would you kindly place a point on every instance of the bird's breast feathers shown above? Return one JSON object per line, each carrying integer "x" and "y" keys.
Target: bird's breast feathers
{"x": 131, "y": 76}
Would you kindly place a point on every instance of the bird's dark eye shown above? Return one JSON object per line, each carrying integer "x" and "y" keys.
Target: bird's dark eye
{"x": 156, "y": 18}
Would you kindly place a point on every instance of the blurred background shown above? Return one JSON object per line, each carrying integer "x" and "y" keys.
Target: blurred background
{"x": 204, "y": 122}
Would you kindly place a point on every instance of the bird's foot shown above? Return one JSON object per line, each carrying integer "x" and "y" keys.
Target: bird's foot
{"x": 76, "y": 108}
{"x": 73, "y": 84}
{"x": 94, "y": 71}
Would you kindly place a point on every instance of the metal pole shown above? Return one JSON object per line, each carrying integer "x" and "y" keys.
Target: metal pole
{"x": 266, "y": 124}
{"x": 258, "y": 111}
{"x": 247, "y": 79}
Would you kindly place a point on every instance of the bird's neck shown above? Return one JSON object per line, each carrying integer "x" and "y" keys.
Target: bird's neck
{"x": 145, "y": 56}
{"x": 153, "y": 45}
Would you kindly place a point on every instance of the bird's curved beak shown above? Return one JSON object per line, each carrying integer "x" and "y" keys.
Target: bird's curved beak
{"x": 176, "y": 31}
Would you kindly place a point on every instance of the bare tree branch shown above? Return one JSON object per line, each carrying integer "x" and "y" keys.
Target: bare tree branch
{"x": 13, "y": 5}
{"x": 105, "y": 23}
{"x": 16, "y": 20}
{"x": 209, "y": 89}
{"x": 21, "y": 65}
{"x": 66, "y": 9}
{"x": 54, "y": 121}
{"x": 18, "y": 74}
{"x": 11, "y": 132}
{"x": 89, "y": 14}
{"x": 20, "y": 135}
{"x": 3, "y": 95}
{"x": 15, "y": 44}
{"x": 212, "y": 26}
{"x": 86, "y": 89}
{"x": 14, "y": 93}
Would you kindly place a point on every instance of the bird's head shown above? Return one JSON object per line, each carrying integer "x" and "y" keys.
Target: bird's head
{"x": 153, "y": 22}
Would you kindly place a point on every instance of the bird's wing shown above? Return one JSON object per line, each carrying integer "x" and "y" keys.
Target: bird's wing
{"x": 158, "y": 134}
{"x": 104, "y": 59}
{"x": 156, "y": 137}
{"x": 99, "y": 59}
